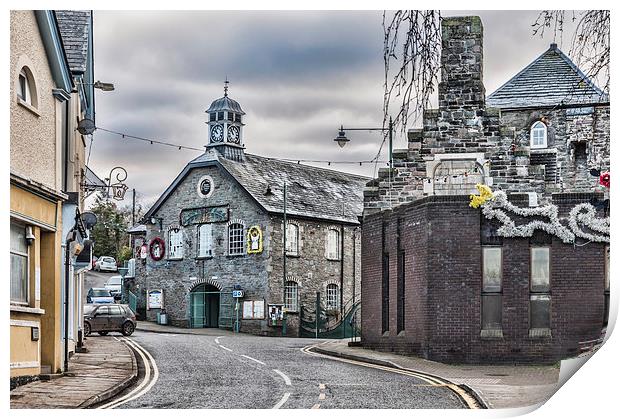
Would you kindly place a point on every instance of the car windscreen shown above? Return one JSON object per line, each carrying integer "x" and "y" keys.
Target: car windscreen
{"x": 88, "y": 309}
{"x": 101, "y": 293}
{"x": 115, "y": 280}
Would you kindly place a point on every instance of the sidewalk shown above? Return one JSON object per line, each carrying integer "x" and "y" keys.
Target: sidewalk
{"x": 496, "y": 386}
{"x": 106, "y": 369}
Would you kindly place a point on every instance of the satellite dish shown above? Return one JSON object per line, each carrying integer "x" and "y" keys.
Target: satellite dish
{"x": 86, "y": 126}
{"x": 89, "y": 219}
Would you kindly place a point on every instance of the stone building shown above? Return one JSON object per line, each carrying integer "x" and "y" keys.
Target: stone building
{"x": 220, "y": 226}
{"x": 523, "y": 279}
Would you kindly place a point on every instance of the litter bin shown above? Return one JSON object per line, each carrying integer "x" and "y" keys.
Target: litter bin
{"x": 162, "y": 318}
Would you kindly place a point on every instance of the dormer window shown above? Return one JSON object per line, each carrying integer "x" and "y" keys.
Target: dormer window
{"x": 538, "y": 135}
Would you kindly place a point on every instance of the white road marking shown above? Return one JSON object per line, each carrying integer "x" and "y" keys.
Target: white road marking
{"x": 282, "y": 401}
{"x": 322, "y": 396}
{"x": 287, "y": 380}
{"x": 225, "y": 348}
{"x": 321, "y": 386}
{"x": 253, "y": 359}
{"x": 316, "y": 406}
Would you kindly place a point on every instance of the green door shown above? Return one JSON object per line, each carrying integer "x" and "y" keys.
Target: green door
{"x": 197, "y": 309}
{"x": 204, "y": 306}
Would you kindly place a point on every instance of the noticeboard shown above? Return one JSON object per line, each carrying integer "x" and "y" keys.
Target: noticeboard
{"x": 155, "y": 299}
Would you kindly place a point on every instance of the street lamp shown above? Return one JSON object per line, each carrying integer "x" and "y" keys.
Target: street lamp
{"x": 106, "y": 87}
{"x": 342, "y": 139}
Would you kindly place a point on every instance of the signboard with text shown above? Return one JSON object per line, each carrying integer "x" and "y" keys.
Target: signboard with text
{"x": 155, "y": 299}
{"x": 204, "y": 215}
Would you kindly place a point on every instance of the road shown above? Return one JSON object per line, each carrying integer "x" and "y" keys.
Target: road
{"x": 93, "y": 279}
{"x": 224, "y": 370}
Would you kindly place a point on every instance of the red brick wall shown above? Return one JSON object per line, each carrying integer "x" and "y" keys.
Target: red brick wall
{"x": 441, "y": 238}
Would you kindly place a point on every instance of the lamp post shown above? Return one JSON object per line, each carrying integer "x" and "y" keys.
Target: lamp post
{"x": 342, "y": 139}
{"x": 106, "y": 87}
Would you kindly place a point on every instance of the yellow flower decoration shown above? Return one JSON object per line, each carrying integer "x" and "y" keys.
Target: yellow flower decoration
{"x": 485, "y": 195}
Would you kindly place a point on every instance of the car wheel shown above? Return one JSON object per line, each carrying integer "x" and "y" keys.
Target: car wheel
{"x": 86, "y": 329}
{"x": 128, "y": 328}
{"x": 103, "y": 333}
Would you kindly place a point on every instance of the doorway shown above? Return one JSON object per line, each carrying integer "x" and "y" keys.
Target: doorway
{"x": 204, "y": 310}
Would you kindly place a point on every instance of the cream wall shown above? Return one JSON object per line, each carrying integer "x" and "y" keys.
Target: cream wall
{"x": 33, "y": 131}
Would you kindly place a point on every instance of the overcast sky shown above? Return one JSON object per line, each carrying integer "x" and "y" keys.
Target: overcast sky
{"x": 297, "y": 75}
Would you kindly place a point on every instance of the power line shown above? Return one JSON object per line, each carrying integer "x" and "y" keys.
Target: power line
{"x": 150, "y": 140}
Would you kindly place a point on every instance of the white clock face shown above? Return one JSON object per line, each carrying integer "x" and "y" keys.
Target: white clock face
{"x": 217, "y": 134}
{"x": 233, "y": 134}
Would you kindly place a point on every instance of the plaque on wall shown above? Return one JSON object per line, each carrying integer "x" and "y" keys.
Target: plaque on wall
{"x": 203, "y": 215}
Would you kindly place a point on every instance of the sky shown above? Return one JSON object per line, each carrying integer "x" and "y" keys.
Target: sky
{"x": 298, "y": 76}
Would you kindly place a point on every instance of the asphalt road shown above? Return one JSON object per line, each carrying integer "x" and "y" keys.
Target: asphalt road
{"x": 223, "y": 370}
{"x": 93, "y": 279}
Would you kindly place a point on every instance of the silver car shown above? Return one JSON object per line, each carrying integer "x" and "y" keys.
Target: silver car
{"x": 104, "y": 318}
{"x": 106, "y": 263}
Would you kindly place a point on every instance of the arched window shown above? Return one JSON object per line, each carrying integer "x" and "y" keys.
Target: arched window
{"x": 538, "y": 135}
{"x": 175, "y": 243}
{"x": 292, "y": 240}
{"x": 205, "y": 241}
{"x": 26, "y": 90}
{"x": 291, "y": 296}
{"x": 333, "y": 244}
{"x": 235, "y": 239}
{"x": 332, "y": 297}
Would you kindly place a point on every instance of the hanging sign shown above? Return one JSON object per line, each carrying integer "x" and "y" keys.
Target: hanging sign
{"x": 204, "y": 215}
{"x": 155, "y": 299}
{"x": 255, "y": 240}
{"x": 143, "y": 251}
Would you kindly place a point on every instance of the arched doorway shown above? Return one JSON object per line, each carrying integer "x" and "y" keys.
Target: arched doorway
{"x": 204, "y": 307}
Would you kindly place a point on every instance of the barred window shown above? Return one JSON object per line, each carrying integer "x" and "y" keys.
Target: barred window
{"x": 235, "y": 239}
{"x": 19, "y": 264}
{"x": 332, "y": 297}
{"x": 175, "y": 243}
{"x": 292, "y": 239}
{"x": 333, "y": 244}
{"x": 291, "y": 296}
{"x": 205, "y": 240}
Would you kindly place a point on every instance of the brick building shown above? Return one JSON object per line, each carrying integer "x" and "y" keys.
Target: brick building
{"x": 220, "y": 225}
{"x": 524, "y": 279}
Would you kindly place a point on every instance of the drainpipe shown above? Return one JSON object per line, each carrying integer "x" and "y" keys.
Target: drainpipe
{"x": 70, "y": 239}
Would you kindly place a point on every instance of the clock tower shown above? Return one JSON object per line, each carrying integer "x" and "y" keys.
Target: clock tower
{"x": 226, "y": 126}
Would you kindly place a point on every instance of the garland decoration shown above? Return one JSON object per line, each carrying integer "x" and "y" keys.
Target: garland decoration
{"x": 498, "y": 207}
{"x": 604, "y": 179}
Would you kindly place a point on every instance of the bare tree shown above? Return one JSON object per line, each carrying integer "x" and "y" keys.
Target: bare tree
{"x": 412, "y": 45}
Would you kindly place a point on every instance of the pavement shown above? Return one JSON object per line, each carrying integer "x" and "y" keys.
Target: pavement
{"x": 494, "y": 386}
{"x": 106, "y": 369}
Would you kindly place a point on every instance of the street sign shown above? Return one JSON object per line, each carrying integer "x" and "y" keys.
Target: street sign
{"x": 237, "y": 293}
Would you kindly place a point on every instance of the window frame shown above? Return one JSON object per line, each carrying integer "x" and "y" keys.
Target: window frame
{"x": 25, "y": 255}
{"x": 332, "y": 297}
{"x": 491, "y": 292}
{"x": 174, "y": 250}
{"x": 538, "y": 294}
{"x": 537, "y": 127}
{"x": 294, "y": 296}
{"x": 239, "y": 239}
{"x": 329, "y": 255}
{"x": 292, "y": 248}
{"x": 606, "y": 288}
{"x": 27, "y": 96}
{"x": 200, "y": 251}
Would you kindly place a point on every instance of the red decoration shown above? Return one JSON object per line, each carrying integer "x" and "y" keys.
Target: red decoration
{"x": 604, "y": 179}
{"x": 157, "y": 249}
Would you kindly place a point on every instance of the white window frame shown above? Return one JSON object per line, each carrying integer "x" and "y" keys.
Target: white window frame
{"x": 27, "y": 280}
{"x": 291, "y": 296}
{"x": 332, "y": 297}
{"x": 292, "y": 239}
{"x": 238, "y": 240}
{"x": 332, "y": 245}
{"x": 538, "y": 127}
{"x": 205, "y": 240}
{"x": 176, "y": 247}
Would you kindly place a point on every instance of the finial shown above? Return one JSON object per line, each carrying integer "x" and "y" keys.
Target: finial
{"x": 226, "y": 86}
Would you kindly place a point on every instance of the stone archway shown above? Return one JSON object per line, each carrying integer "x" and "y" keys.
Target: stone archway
{"x": 204, "y": 305}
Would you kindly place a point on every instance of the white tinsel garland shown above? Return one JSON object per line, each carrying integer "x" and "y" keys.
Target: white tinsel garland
{"x": 498, "y": 206}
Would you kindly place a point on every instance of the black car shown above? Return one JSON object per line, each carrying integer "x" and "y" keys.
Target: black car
{"x": 104, "y": 318}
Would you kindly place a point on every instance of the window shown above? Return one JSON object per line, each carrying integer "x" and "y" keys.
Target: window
{"x": 220, "y": 116}
{"x": 175, "y": 243}
{"x": 333, "y": 297}
{"x": 292, "y": 240}
{"x": 212, "y": 117}
{"x": 19, "y": 264}
{"x": 205, "y": 240}
{"x": 115, "y": 311}
{"x": 333, "y": 244}
{"x": 400, "y": 280}
{"x": 24, "y": 91}
{"x": 291, "y": 296}
{"x": 230, "y": 116}
{"x": 538, "y": 135}
{"x": 606, "y": 312}
{"x": 235, "y": 239}
{"x": 491, "y": 288}
{"x": 540, "y": 296}
{"x": 237, "y": 117}
{"x": 254, "y": 309}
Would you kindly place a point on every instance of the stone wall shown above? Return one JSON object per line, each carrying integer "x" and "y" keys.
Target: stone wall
{"x": 443, "y": 276}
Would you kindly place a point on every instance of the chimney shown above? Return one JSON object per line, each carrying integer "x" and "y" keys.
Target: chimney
{"x": 461, "y": 86}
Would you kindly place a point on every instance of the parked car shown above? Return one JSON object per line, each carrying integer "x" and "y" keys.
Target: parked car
{"x": 106, "y": 263}
{"x": 104, "y": 318}
{"x": 99, "y": 296}
{"x": 113, "y": 284}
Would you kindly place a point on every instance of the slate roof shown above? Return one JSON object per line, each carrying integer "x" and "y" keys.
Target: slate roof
{"x": 550, "y": 79}
{"x": 225, "y": 104}
{"x": 312, "y": 192}
{"x": 74, "y": 26}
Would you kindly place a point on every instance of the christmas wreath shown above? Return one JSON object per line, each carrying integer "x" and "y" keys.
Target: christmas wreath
{"x": 157, "y": 248}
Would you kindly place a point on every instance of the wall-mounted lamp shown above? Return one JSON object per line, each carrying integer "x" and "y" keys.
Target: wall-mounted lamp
{"x": 29, "y": 236}
{"x": 219, "y": 240}
{"x": 157, "y": 220}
